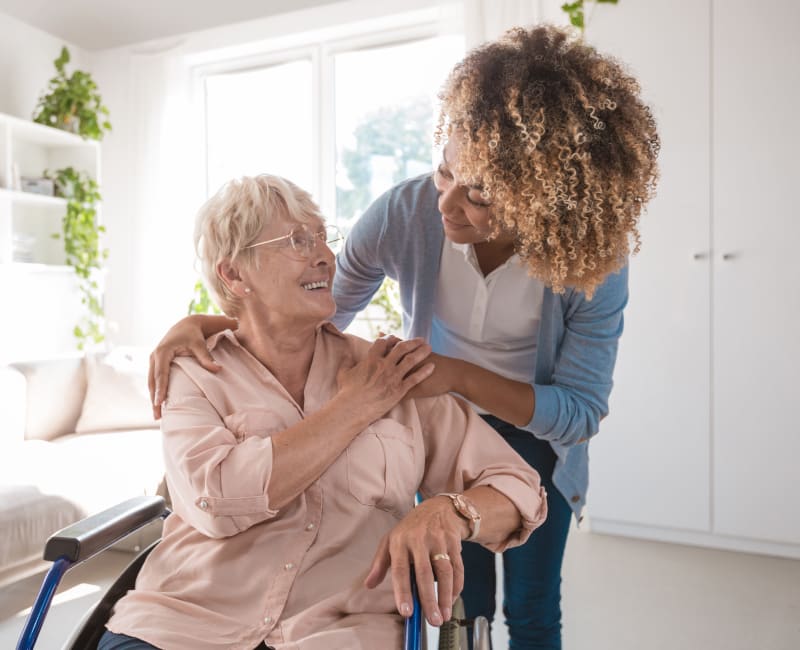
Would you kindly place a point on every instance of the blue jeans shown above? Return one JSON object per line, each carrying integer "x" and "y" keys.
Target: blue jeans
{"x": 111, "y": 641}
{"x": 531, "y": 572}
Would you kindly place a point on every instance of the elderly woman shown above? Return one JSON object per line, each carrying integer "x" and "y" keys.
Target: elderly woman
{"x": 299, "y": 461}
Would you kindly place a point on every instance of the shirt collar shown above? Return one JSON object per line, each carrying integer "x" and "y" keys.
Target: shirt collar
{"x": 214, "y": 340}
{"x": 468, "y": 251}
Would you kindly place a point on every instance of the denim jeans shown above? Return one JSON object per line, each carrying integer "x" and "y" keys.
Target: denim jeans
{"x": 111, "y": 641}
{"x": 531, "y": 572}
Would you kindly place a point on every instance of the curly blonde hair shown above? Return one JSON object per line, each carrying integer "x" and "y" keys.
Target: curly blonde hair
{"x": 562, "y": 146}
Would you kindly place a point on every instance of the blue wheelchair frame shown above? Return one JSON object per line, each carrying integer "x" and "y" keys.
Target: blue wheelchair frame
{"x": 85, "y": 539}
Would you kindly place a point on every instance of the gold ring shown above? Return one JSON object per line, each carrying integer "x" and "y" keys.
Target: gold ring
{"x": 440, "y": 556}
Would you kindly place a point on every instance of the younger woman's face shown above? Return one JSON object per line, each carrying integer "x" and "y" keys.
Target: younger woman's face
{"x": 466, "y": 216}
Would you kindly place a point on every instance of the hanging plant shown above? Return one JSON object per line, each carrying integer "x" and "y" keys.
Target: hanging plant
{"x": 576, "y": 13}
{"x": 72, "y": 103}
{"x": 81, "y": 234}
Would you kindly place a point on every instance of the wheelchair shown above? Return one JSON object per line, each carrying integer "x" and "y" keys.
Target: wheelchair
{"x": 83, "y": 540}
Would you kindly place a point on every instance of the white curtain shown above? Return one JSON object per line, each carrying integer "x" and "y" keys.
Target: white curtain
{"x": 485, "y": 20}
{"x": 154, "y": 182}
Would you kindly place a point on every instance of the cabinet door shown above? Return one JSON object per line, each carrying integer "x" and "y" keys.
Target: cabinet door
{"x": 650, "y": 463}
{"x": 756, "y": 316}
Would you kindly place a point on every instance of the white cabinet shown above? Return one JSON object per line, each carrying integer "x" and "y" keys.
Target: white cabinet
{"x": 756, "y": 308}
{"x": 41, "y": 303}
{"x": 702, "y": 442}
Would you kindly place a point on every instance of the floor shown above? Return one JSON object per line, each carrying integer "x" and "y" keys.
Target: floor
{"x": 619, "y": 594}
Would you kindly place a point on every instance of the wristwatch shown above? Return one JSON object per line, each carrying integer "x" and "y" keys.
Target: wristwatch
{"x": 467, "y": 510}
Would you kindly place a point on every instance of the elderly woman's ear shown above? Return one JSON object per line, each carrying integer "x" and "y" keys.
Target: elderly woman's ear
{"x": 229, "y": 274}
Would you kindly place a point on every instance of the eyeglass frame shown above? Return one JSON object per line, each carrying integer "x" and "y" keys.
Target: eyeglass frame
{"x": 315, "y": 237}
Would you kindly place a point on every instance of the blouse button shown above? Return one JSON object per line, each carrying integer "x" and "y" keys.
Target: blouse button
{"x": 203, "y": 504}
{"x": 268, "y": 619}
{"x": 288, "y": 566}
{"x": 310, "y": 527}
{"x": 575, "y": 498}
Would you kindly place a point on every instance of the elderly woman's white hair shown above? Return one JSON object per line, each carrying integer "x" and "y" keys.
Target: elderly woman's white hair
{"x": 233, "y": 219}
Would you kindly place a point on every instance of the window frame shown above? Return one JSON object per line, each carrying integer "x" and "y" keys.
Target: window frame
{"x": 321, "y": 51}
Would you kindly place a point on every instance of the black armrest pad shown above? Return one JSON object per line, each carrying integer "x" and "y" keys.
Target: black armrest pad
{"x": 86, "y": 538}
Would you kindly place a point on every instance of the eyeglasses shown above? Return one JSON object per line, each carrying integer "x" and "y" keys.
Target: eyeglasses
{"x": 302, "y": 240}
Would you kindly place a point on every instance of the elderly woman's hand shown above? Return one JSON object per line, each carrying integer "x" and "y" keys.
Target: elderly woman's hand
{"x": 429, "y": 537}
{"x": 389, "y": 371}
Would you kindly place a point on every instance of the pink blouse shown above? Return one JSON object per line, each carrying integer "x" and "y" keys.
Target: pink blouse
{"x": 232, "y": 571}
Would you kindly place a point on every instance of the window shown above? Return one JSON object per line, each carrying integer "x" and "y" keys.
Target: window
{"x": 259, "y": 121}
{"x": 385, "y": 112}
{"x": 344, "y": 119}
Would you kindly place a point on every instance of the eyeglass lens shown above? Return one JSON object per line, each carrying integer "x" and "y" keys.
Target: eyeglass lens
{"x": 304, "y": 241}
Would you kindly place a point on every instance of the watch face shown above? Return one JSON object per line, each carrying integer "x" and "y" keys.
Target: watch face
{"x": 467, "y": 508}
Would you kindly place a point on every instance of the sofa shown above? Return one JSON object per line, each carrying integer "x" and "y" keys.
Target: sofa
{"x": 78, "y": 436}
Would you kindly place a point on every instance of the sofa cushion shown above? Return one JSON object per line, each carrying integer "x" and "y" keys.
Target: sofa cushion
{"x": 45, "y": 486}
{"x": 98, "y": 470}
{"x": 55, "y": 391}
{"x": 116, "y": 394}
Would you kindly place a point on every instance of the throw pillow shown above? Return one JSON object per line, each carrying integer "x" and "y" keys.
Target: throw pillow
{"x": 116, "y": 395}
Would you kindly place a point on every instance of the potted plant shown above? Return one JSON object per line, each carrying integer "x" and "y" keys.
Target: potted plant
{"x": 72, "y": 103}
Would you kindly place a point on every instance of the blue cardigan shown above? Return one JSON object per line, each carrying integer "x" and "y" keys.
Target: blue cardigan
{"x": 401, "y": 236}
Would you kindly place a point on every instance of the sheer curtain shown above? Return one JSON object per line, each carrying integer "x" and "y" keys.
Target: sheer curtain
{"x": 153, "y": 185}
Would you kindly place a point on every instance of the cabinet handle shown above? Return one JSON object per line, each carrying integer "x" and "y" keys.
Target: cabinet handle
{"x": 700, "y": 256}
{"x": 729, "y": 256}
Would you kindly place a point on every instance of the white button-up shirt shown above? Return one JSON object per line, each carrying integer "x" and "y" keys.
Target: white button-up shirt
{"x": 493, "y": 320}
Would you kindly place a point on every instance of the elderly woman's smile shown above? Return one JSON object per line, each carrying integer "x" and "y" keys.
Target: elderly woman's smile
{"x": 313, "y": 286}
{"x": 292, "y": 275}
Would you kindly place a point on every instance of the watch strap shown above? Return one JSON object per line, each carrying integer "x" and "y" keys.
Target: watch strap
{"x": 466, "y": 509}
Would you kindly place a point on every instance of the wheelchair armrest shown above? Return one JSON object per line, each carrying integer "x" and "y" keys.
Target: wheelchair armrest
{"x": 86, "y": 538}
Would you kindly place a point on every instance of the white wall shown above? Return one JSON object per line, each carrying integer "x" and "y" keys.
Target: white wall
{"x": 26, "y": 64}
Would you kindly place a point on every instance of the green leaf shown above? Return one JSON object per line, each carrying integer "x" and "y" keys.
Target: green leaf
{"x": 71, "y": 96}
{"x": 574, "y": 11}
{"x": 81, "y": 234}
{"x": 62, "y": 59}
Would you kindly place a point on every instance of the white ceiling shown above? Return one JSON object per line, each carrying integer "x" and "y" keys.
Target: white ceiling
{"x": 102, "y": 24}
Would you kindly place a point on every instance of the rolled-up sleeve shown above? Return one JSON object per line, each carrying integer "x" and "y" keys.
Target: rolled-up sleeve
{"x": 218, "y": 483}
{"x": 463, "y": 452}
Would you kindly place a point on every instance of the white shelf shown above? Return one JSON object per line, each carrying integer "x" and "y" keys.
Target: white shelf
{"x": 29, "y": 198}
{"x": 28, "y": 222}
{"x": 34, "y": 267}
{"x": 44, "y": 135}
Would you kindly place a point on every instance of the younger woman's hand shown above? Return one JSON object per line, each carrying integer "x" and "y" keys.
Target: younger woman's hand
{"x": 444, "y": 379}
{"x": 389, "y": 371}
{"x": 184, "y": 339}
